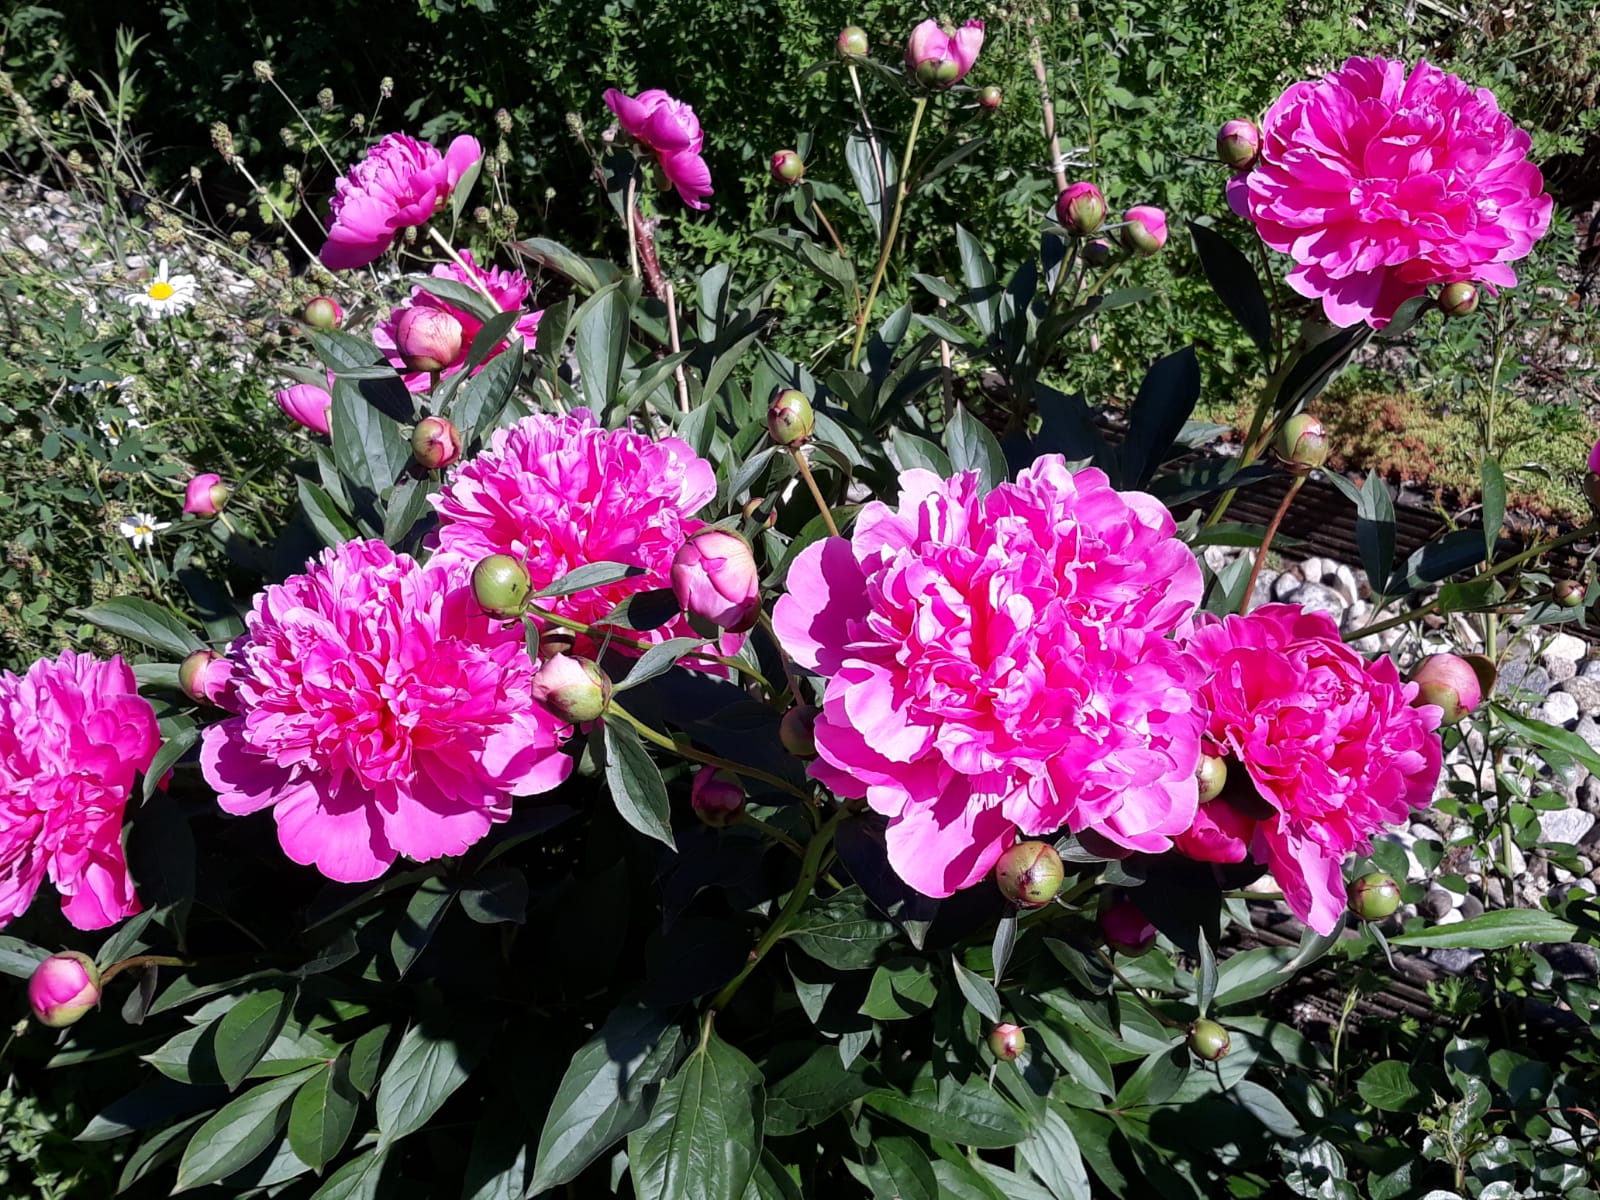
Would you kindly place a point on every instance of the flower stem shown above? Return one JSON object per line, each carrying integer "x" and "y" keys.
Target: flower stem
{"x": 773, "y": 832}
{"x": 816, "y": 493}
{"x": 602, "y": 634}
{"x": 1137, "y": 994}
{"x": 887, "y": 249}
{"x": 140, "y": 960}
{"x": 1266, "y": 541}
{"x": 472, "y": 276}
{"x": 672, "y": 336}
{"x": 816, "y": 207}
{"x": 699, "y": 756}
{"x": 633, "y": 239}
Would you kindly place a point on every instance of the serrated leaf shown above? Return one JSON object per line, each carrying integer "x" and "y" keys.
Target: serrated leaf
{"x": 1390, "y": 1087}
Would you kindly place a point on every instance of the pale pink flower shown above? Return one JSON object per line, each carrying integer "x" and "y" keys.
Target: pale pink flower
{"x": 510, "y": 291}
{"x": 1380, "y": 181}
{"x": 715, "y": 579}
{"x": 381, "y": 713}
{"x": 1332, "y": 743}
{"x": 1001, "y": 662}
{"x": 74, "y": 736}
{"x": 940, "y": 59}
{"x": 400, "y": 183}
{"x": 670, "y": 129}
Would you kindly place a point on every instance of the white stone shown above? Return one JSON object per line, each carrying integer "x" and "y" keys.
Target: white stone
{"x": 1559, "y": 708}
{"x": 1285, "y": 584}
{"x": 1560, "y": 669}
{"x": 1451, "y": 917}
{"x": 1564, "y": 647}
{"x": 1344, "y": 582}
{"x": 35, "y": 244}
{"x": 1565, "y": 825}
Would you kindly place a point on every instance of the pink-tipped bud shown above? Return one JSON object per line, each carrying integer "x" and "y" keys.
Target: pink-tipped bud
{"x": 1594, "y": 459}
{"x": 1099, "y": 252}
{"x": 1081, "y": 209}
{"x": 435, "y": 443}
{"x": 1569, "y": 593}
{"x": 501, "y": 584}
{"x": 1212, "y": 776}
{"x": 1029, "y": 874}
{"x": 715, "y": 579}
{"x": 1449, "y": 681}
{"x": 1007, "y": 1042}
{"x": 788, "y": 168}
{"x": 206, "y": 495}
{"x": 1146, "y": 230}
{"x": 1302, "y": 441}
{"x": 752, "y": 507}
{"x": 574, "y": 689}
{"x": 1239, "y": 144}
{"x": 63, "y": 987}
{"x": 1126, "y": 929}
{"x": 308, "y": 404}
{"x": 203, "y": 676}
{"x": 717, "y": 797}
{"x": 853, "y": 42}
{"x": 323, "y": 313}
{"x": 1209, "y": 1041}
{"x": 790, "y": 419}
{"x": 798, "y": 730}
{"x": 937, "y": 59}
{"x": 427, "y": 338}
{"x": 1374, "y": 897}
{"x": 1458, "y": 299}
{"x": 989, "y": 98}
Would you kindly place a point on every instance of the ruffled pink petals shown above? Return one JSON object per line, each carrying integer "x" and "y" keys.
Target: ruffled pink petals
{"x": 510, "y": 290}
{"x": 943, "y": 847}
{"x": 670, "y": 130}
{"x": 400, "y": 183}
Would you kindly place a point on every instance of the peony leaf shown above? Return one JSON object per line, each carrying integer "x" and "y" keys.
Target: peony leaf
{"x": 1236, "y": 283}
{"x": 357, "y": 1180}
{"x": 635, "y": 783}
{"x": 245, "y": 1032}
{"x": 973, "y": 447}
{"x": 1493, "y": 931}
{"x": 434, "y": 1059}
{"x": 979, "y": 991}
{"x": 238, "y": 1132}
{"x": 969, "y": 1114}
{"x": 600, "y": 342}
{"x": 141, "y": 621}
{"x": 1170, "y": 390}
{"x": 1051, "y": 1152}
{"x": 322, "y": 1115}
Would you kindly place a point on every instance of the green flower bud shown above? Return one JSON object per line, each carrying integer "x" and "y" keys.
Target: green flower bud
{"x": 989, "y": 98}
{"x": 501, "y": 584}
{"x": 1570, "y": 593}
{"x": 1029, "y": 874}
{"x": 1374, "y": 897}
{"x": 1458, "y": 299}
{"x": 790, "y": 419}
{"x": 797, "y": 731}
{"x": 1302, "y": 441}
{"x": 1209, "y": 1040}
{"x": 853, "y": 42}
{"x": 1007, "y": 1042}
{"x": 1212, "y": 775}
{"x": 788, "y": 168}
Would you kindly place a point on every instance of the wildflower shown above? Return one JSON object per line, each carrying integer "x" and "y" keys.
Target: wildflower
{"x": 141, "y": 529}
{"x": 166, "y": 295}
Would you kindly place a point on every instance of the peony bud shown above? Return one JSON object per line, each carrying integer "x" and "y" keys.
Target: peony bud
{"x": 1029, "y": 874}
{"x": 752, "y": 507}
{"x": 1211, "y": 775}
{"x": 938, "y": 59}
{"x": 1374, "y": 897}
{"x": 1449, "y": 681}
{"x": 1146, "y": 230}
{"x": 1006, "y": 1042}
{"x": 1302, "y": 441}
{"x": 788, "y": 168}
{"x": 500, "y": 584}
{"x": 64, "y": 987}
{"x": 1126, "y": 929}
{"x": 989, "y": 98}
{"x": 427, "y": 339}
{"x": 1081, "y": 209}
{"x": 206, "y": 495}
{"x": 853, "y": 42}
{"x": 1570, "y": 593}
{"x": 307, "y": 404}
{"x": 1239, "y": 144}
{"x": 1209, "y": 1040}
{"x": 798, "y": 730}
{"x": 323, "y": 313}
{"x": 1458, "y": 299}
{"x": 203, "y": 676}
{"x": 574, "y": 689}
{"x": 435, "y": 443}
{"x": 1098, "y": 252}
{"x": 715, "y": 579}
{"x": 789, "y": 417}
{"x": 717, "y": 797}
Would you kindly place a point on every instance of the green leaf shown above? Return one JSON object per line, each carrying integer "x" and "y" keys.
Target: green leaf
{"x": 982, "y": 298}
{"x": 973, "y": 447}
{"x": 559, "y": 259}
{"x": 1051, "y": 1152}
{"x": 142, "y": 622}
{"x": 1494, "y": 503}
{"x": 1548, "y": 737}
{"x": 1390, "y": 1087}
{"x": 463, "y": 189}
{"x": 160, "y": 1147}
{"x": 462, "y": 295}
{"x": 331, "y": 526}
{"x": 1205, "y": 988}
{"x": 900, "y": 988}
{"x": 175, "y": 746}
{"x": 323, "y": 1113}
{"x": 600, "y": 332}
{"x": 812, "y": 1093}
{"x": 704, "y": 1133}
{"x": 1167, "y": 396}
{"x": 1265, "y": 1106}
{"x": 590, "y": 575}
{"x": 658, "y": 660}
{"x": 420, "y": 922}
{"x": 19, "y": 959}
{"x": 1375, "y": 528}
{"x": 480, "y": 398}
{"x": 356, "y": 1180}
{"x": 979, "y": 991}
{"x": 872, "y": 174}
{"x": 429, "y": 1066}
{"x": 367, "y": 446}
{"x": 238, "y": 1132}
{"x": 366, "y": 1056}
{"x": 1439, "y": 559}
{"x": 1493, "y": 931}
{"x": 897, "y": 1168}
{"x": 635, "y": 783}
{"x": 969, "y": 1114}
{"x": 838, "y": 931}
{"x": 1236, "y": 283}
{"x": 246, "y": 1031}
{"x": 497, "y": 895}
{"x": 1251, "y": 973}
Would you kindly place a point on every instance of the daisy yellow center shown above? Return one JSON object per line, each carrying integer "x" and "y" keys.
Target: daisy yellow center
{"x": 162, "y": 290}
{"x": 143, "y": 529}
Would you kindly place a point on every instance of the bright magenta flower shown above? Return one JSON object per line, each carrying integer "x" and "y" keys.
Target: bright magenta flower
{"x": 63, "y": 988}
{"x": 939, "y": 59}
{"x": 308, "y": 404}
{"x": 381, "y": 713}
{"x": 715, "y": 579}
{"x": 1002, "y": 662}
{"x": 74, "y": 736}
{"x": 1379, "y": 181}
{"x": 1330, "y": 740}
{"x": 510, "y": 291}
{"x": 400, "y": 183}
{"x": 205, "y": 495}
{"x": 669, "y": 128}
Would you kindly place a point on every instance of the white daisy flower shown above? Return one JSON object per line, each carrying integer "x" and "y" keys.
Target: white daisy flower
{"x": 142, "y": 529}
{"x": 164, "y": 295}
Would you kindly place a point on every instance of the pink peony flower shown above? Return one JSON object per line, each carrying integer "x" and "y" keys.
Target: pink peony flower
{"x": 669, "y": 128}
{"x": 402, "y": 182}
{"x": 940, "y": 59}
{"x": 510, "y": 291}
{"x": 381, "y": 713}
{"x": 1001, "y": 662}
{"x": 63, "y": 988}
{"x": 307, "y": 404}
{"x": 715, "y": 579}
{"x": 205, "y": 495}
{"x": 560, "y": 492}
{"x": 74, "y": 736}
{"x": 1379, "y": 182}
{"x": 1331, "y": 742}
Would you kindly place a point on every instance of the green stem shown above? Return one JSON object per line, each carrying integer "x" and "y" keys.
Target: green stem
{"x": 772, "y": 831}
{"x": 810, "y": 868}
{"x": 1266, "y": 541}
{"x": 900, "y": 193}
{"x": 140, "y": 960}
{"x": 602, "y": 634}
{"x": 699, "y": 756}
{"x": 816, "y": 493}
{"x": 1253, "y": 442}
{"x": 1137, "y": 994}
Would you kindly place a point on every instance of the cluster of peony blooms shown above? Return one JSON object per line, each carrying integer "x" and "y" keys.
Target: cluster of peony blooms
{"x": 1081, "y": 211}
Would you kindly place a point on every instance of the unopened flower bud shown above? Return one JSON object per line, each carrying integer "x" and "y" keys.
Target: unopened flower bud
{"x": 788, "y": 168}
{"x": 1146, "y": 230}
{"x": 1302, "y": 441}
{"x": 1211, "y": 775}
{"x": 501, "y": 584}
{"x": 1374, "y": 897}
{"x": 63, "y": 988}
{"x": 203, "y": 676}
{"x": 325, "y": 99}
{"x": 502, "y": 120}
{"x": 1450, "y": 682}
{"x": 752, "y": 507}
{"x": 853, "y": 42}
{"x": 575, "y": 689}
{"x": 790, "y": 419}
{"x": 989, "y": 98}
{"x": 1126, "y": 929}
{"x": 308, "y": 404}
{"x": 798, "y": 730}
{"x": 1098, "y": 252}
{"x": 206, "y": 495}
{"x": 222, "y": 141}
{"x": 1029, "y": 874}
{"x": 716, "y": 796}
{"x": 1458, "y": 299}
{"x": 1209, "y": 1041}
{"x": 435, "y": 443}
{"x": 386, "y": 86}
{"x": 427, "y": 338}
{"x": 1570, "y": 593}
{"x": 1239, "y": 144}
{"x": 323, "y": 313}
{"x": 262, "y": 69}
{"x": 1081, "y": 209}
{"x": 1007, "y": 1042}
{"x": 715, "y": 579}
